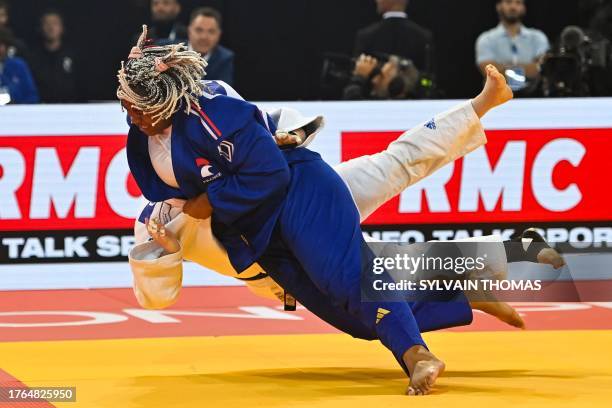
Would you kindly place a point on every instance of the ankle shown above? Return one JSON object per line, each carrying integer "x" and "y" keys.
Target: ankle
{"x": 415, "y": 354}
{"x": 480, "y": 105}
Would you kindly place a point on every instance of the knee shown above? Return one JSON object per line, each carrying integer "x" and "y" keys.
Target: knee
{"x": 364, "y": 335}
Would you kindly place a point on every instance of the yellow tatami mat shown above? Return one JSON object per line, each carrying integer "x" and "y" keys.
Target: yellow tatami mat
{"x": 484, "y": 369}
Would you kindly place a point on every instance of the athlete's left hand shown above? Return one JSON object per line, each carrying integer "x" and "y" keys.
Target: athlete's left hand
{"x": 164, "y": 237}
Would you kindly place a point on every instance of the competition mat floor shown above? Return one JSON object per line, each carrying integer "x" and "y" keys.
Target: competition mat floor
{"x": 223, "y": 347}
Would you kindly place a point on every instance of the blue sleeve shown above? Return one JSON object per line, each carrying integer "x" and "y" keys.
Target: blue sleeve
{"x": 23, "y": 91}
{"x": 258, "y": 172}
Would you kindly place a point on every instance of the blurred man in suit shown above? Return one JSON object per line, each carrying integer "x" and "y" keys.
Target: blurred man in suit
{"x": 165, "y": 27}
{"x": 396, "y": 35}
{"x": 204, "y": 34}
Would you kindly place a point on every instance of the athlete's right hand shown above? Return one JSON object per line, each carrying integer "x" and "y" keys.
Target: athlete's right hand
{"x": 287, "y": 139}
{"x": 162, "y": 236}
{"x": 198, "y": 207}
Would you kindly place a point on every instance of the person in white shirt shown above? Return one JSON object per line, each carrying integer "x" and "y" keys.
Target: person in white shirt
{"x": 513, "y": 48}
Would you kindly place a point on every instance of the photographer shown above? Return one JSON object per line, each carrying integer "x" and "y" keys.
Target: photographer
{"x": 395, "y": 79}
{"x": 580, "y": 65}
{"x": 396, "y": 34}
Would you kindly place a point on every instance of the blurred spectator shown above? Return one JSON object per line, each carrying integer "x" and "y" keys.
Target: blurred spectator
{"x": 164, "y": 22}
{"x": 396, "y": 79}
{"x": 512, "y": 47}
{"x": 15, "y": 77}
{"x": 602, "y": 20}
{"x": 204, "y": 35}
{"x": 53, "y": 63}
{"x": 18, "y": 47}
{"x": 4, "y": 14}
{"x": 396, "y": 35}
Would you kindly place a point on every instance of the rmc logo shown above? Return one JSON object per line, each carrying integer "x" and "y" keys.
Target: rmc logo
{"x": 520, "y": 175}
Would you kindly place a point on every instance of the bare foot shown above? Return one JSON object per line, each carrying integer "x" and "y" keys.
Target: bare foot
{"x": 546, "y": 255}
{"x": 502, "y": 311}
{"x": 551, "y": 257}
{"x": 424, "y": 369}
{"x": 495, "y": 92}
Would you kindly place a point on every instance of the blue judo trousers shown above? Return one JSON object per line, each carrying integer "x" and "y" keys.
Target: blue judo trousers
{"x": 318, "y": 254}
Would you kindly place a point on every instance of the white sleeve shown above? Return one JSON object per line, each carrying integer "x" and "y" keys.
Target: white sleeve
{"x": 157, "y": 278}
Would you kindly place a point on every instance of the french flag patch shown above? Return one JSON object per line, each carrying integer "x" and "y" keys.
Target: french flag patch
{"x": 200, "y": 161}
{"x": 208, "y": 124}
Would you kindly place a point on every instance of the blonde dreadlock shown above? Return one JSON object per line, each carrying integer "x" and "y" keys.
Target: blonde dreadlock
{"x": 156, "y": 79}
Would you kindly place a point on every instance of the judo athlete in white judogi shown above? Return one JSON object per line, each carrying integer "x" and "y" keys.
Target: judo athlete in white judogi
{"x": 372, "y": 180}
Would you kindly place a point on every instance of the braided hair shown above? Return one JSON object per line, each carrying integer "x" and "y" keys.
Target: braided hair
{"x": 158, "y": 80}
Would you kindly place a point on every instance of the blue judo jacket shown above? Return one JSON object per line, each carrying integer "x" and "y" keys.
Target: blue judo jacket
{"x": 16, "y": 77}
{"x": 224, "y": 149}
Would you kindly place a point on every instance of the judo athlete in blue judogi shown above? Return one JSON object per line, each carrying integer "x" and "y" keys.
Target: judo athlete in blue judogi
{"x": 156, "y": 260}
{"x": 288, "y": 211}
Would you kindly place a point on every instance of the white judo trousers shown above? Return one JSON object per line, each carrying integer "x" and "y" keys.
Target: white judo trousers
{"x": 372, "y": 180}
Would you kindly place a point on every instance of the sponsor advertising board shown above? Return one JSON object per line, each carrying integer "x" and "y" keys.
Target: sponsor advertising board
{"x": 67, "y": 196}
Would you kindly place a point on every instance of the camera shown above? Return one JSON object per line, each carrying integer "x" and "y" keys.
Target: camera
{"x": 579, "y": 66}
{"x": 408, "y": 83}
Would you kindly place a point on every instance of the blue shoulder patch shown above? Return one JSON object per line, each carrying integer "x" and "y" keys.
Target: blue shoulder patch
{"x": 214, "y": 88}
